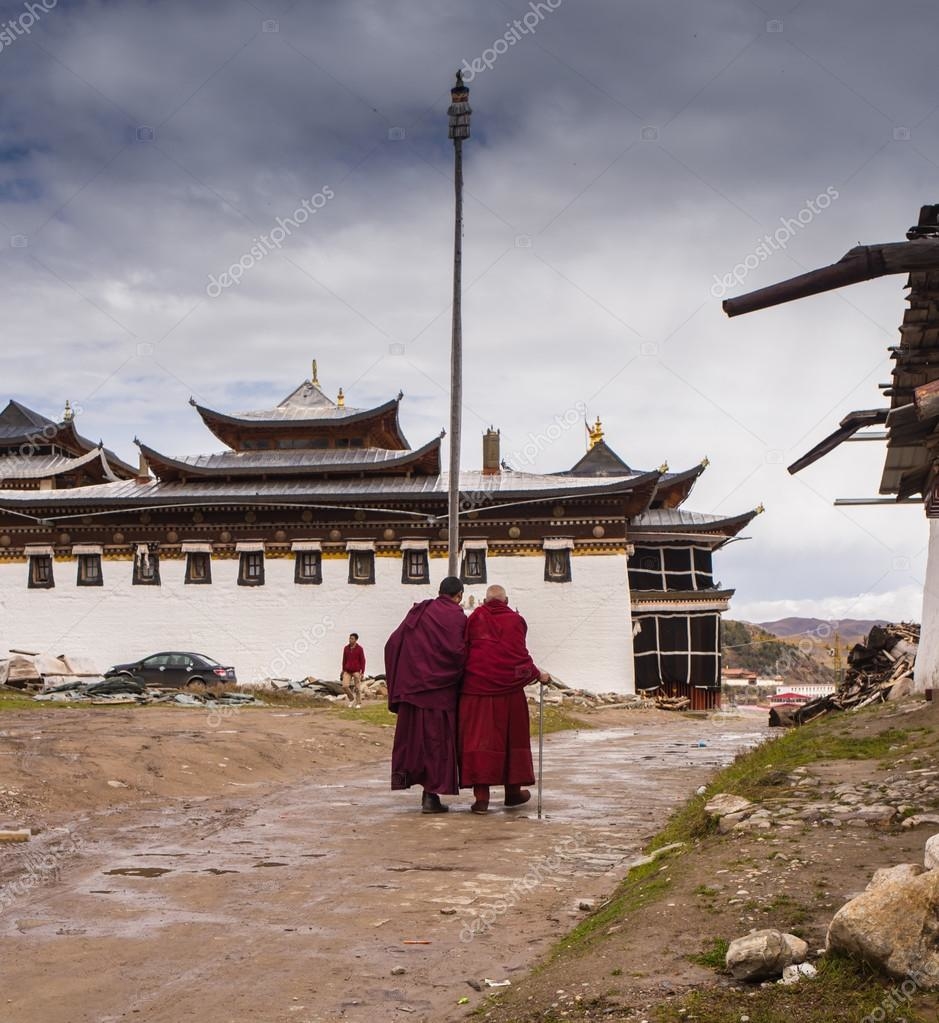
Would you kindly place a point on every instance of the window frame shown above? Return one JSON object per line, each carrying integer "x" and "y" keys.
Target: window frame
{"x": 248, "y": 576}
{"x": 138, "y": 578}
{"x": 421, "y": 558}
{"x": 191, "y": 577}
{"x": 84, "y": 578}
{"x": 33, "y": 583}
{"x": 565, "y": 574}
{"x": 361, "y": 580}
{"x": 314, "y": 578}
{"x": 479, "y": 578}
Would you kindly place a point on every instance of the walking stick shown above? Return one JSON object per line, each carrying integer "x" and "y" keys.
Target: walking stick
{"x": 540, "y": 742}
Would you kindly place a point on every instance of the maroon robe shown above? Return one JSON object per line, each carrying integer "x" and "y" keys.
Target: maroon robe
{"x": 424, "y": 661}
{"x": 495, "y": 746}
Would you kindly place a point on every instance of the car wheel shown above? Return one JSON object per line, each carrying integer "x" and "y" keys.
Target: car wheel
{"x": 195, "y": 681}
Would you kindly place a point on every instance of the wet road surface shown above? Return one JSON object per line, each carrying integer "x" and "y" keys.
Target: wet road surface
{"x": 307, "y": 904}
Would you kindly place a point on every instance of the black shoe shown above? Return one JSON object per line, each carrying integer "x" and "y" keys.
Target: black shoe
{"x": 430, "y": 803}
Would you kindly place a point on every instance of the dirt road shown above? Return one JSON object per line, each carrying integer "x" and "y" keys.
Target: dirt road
{"x": 331, "y": 898}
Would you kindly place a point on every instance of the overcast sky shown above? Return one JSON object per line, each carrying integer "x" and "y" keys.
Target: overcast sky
{"x": 625, "y": 157}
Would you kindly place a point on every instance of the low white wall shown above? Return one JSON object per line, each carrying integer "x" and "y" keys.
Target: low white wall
{"x": 926, "y": 672}
{"x": 579, "y": 631}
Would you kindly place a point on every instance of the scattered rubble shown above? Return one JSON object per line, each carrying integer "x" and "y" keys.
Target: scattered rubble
{"x": 122, "y": 689}
{"x": 24, "y": 669}
{"x": 880, "y": 669}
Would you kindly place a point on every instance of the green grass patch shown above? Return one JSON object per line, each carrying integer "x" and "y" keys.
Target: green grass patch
{"x": 713, "y": 955}
{"x": 376, "y": 714}
{"x": 843, "y": 992}
{"x": 642, "y": 885}
{"x": 556, "y": 719}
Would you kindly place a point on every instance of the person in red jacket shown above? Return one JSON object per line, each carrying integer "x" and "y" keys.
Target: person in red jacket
{"x": 353, "y": 670}
{"x": 495, "y": 747}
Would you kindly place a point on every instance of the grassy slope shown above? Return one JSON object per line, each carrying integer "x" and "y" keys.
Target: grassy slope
{"x": 844, "y": 991}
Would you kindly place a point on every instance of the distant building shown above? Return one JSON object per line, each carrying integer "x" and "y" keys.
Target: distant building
{"x": 317, "y": 519}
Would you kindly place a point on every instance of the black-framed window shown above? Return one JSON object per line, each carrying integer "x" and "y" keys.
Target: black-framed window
{"x": 251, "y": 568}
{"x": 415, "y": 567}
{"x": 557, "y": 565}
{"x": 677, "y": 646}
{"x": 146, "y": 568}
{"x": 308, "y": 567}
{"x": 41, "y": 576}
{"x": 361, "y": 568}
{"x": 198, "y": 568}
{"x": 89, "y": 570}
{"x": 473, "y": 566}
{"x": 673, "y": 567}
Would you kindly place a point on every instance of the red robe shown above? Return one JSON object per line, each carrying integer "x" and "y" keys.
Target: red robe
{"x": 495, "y": 747}
{"x": 424, "y": 661}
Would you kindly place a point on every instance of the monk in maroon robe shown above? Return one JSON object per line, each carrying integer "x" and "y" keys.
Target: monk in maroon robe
{"x": 495, "y": 747}
{"x": 424, "y": 662}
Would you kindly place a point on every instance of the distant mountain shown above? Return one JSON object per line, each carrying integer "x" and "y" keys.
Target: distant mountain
{"x": 755, "y": 648}
{"x": 849, "y": 629}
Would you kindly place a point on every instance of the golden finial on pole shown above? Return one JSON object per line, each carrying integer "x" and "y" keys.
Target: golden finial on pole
{"x": 595, "y": 433}
{"x": 314, "y": 377}
{"x": 341, "y": 399}
{"x": 68, "y": 415}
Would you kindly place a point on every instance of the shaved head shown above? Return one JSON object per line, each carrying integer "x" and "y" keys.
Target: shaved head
{"x": 496, "y": 593}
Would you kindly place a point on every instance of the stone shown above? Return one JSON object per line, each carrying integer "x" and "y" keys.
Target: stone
{"x": 931, "y": 855}
{"x": 793, "y": 974}
{"x": 15, "y": 835}
{"x": 901, "y": 872}
{"x": 764, "y": 954}
{"x": 921, "y": 818}
{"x": 893, "y": 926}
{"x": 398, "y": 971}
{"x": 901, "y": 690}
{"x": 724, "y": 803}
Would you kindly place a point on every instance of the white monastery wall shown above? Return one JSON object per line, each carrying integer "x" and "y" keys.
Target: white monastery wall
{"x": 926, "y": 672}
{"x": 579, "y": 631}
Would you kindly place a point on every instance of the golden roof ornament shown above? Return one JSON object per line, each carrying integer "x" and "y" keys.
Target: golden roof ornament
{"x": 663, "y": 468}
{"x": 314, "y": 378}
{"x": 340, "y": 399}
{"x": 68, "y": 415}
{"x": 705, "y": 462}
{"x": 595, "y": 433}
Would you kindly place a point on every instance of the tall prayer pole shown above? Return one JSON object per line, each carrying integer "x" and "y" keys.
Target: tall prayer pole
{"x": 459, "y": 116}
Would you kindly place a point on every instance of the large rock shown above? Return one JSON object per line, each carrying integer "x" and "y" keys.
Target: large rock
{"x": 901, "y": 872}
{"x": 931, "y": 856}
{"x": 763, "y": 954}
{"x": 724, "y": 804}
{"x": 894, "y": 925}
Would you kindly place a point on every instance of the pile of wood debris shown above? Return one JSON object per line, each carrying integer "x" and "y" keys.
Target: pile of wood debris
{"x": 878, "y": 670}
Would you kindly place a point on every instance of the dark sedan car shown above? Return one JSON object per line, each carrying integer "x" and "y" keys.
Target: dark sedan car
{"x": 175, "y": 670}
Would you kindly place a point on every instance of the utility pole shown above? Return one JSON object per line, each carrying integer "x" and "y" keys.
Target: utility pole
{"x": 459, "y": 129}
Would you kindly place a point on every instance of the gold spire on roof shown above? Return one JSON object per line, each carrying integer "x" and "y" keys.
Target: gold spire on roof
{"x": 314, "y": 378}
{"x": 341, "y": 399}
{"x": 760, "y": 508}
{"x": 663, "y": 467}
{"x": 705, "y": 462}
{"x": 68, "y": 415}
{"x": 595, "y": 433}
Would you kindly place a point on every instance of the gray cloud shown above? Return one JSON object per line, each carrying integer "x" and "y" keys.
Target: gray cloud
{"x": 591, "y": 245}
